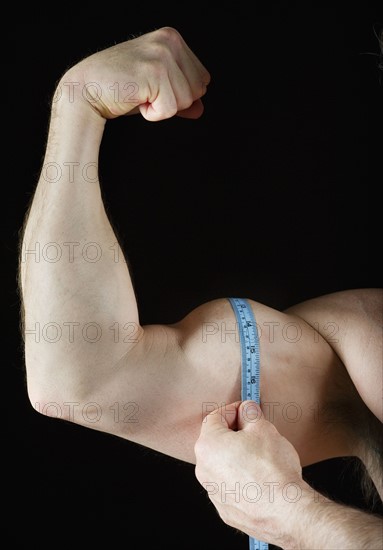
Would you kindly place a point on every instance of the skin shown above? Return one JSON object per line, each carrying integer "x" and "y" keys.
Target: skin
{"x": 239, "y": 449}
{"x": 161, "y": 379}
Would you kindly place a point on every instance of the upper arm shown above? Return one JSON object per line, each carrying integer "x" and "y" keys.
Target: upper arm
{"x": 159, "y": 392}
{"x": 351, "y": 322}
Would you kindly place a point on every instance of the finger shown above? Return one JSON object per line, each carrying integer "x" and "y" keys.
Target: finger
{"x": 163, "y": 103}
{"x": 222, "y": 419}
{"x": 249, "y": 415}
{"x": 194, "y": 111}
{"x": 219, "y": 422}
{"x": 182, "y": 81}
{"x": 193, "y": 67}
{"x": 181, "y": 87}
{"x": 172, "y": 95}
{"x": 188, "y": 90}
{"x": 195, "y": 72}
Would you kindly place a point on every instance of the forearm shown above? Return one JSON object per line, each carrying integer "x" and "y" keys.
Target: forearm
{"x": 75, "y": 285}
{"x": 322, "y": 524}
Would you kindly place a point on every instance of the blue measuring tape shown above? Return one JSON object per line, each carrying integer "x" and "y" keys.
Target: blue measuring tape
{"x": 250, "y": 361}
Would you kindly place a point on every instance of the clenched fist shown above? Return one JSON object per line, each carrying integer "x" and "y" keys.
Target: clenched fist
{"x": 156, "y": 74}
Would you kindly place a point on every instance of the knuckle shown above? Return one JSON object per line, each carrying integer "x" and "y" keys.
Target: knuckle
{"x": 206, "y": 78}
{"x": 201, "y": 448}
{"x": 223, "y": 514}
{"x": 169, "y": 112}
{"x": 197, "y": 472}
{"x": 186, "y": 101}
{"x": 198, "y": 447}
{"x": 155, "y": 64}
{"x": 168, "y": 34}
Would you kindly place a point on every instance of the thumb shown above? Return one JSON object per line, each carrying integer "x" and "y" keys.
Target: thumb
{"x": 221, "y": 419}
{"x": 194, "y": 111}
{"x": 250, "y": 415}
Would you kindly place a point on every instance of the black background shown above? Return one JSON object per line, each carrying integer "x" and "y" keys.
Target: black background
{"x": 273, "y": 194}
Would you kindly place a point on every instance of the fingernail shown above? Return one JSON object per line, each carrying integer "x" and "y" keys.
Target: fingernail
{"x": 251, "y": 412}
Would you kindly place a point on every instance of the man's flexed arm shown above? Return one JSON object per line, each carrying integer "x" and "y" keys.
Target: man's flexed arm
{"x": 75, "y": 286}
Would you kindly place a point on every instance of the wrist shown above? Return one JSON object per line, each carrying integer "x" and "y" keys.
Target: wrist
{"x": 305, "y": 518}
{"x": 73, "y": 93}
{"x": 75, "y": 128}
{"x": 300, "y": 516}
{"x": 284, "y": 521}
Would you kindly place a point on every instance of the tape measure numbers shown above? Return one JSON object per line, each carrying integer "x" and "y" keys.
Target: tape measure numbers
{"x": 250, "y": 361}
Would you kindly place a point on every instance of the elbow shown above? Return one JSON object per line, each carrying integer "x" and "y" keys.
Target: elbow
{"x": 62, "y": 396}
{"x": 53, "y": 409}
{"x": 48, "y": 402}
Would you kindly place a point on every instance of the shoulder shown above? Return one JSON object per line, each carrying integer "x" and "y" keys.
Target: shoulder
{"x": 346, "y": 319}
{"x": 351, "y": 322}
